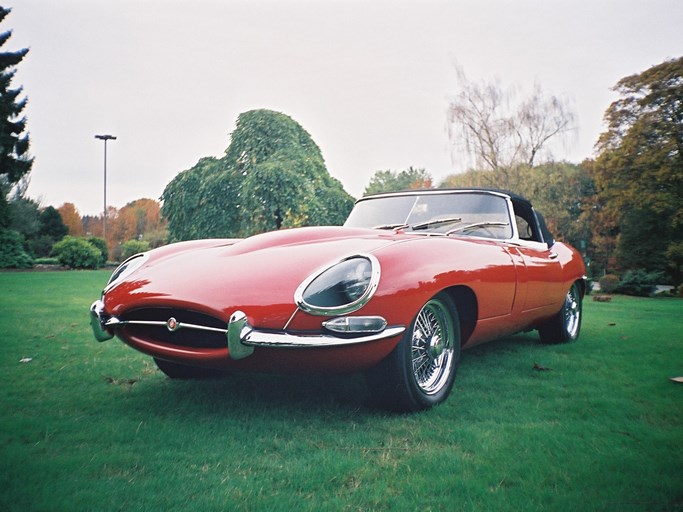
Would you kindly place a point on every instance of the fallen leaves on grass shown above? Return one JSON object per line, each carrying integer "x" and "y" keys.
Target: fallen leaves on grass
{"x": 540, "y": 368}
{"x": 119, "y": 382}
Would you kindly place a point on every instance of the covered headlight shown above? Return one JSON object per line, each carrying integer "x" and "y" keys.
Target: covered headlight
{"x": 340, "y": 288}
{"x": 126, "y": 268}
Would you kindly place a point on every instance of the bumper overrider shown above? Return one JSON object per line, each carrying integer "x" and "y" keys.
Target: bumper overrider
{"x": 242, "y": 338}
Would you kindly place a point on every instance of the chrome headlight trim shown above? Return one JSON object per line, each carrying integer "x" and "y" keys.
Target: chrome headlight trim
{"x": 348, "y": 307}
{"x": 126, "y": 268}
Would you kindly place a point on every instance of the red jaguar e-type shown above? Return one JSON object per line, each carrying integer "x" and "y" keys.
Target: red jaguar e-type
{"x": 409, "y": 280}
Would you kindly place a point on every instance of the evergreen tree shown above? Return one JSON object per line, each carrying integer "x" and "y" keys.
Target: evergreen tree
{"x": 15, "y": 161}
{"x": 51, "y": 224}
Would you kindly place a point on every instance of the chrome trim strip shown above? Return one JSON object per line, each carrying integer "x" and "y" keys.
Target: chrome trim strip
{"x": 276, "y": 339}
{"x": 240, "y": 336}
{"x": 114, "y": 322}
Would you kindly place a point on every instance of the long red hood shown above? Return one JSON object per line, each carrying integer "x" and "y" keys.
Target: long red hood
{"x": 258, "y": 275}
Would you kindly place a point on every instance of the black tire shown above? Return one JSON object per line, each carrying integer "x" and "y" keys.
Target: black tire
{"x": 184, "y": 372}
{"x": 565, "y": 326}
{"x": 420, "y": 372}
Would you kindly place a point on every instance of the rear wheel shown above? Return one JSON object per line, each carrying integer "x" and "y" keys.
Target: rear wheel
{"x": 566, "y": 324}
{"x": 420, "y": 372}
{"x": 181, "y": 371}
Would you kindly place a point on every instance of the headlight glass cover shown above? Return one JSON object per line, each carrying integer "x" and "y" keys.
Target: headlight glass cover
{"x": 126, "y": 268}
{"x": 340, "y": 288}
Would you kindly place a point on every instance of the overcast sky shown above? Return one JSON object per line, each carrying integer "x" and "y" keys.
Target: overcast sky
{"x": 369, "y": 80}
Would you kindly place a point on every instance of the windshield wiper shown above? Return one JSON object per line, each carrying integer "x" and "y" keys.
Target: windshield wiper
{"x": 390, "y": 226}
{"x": 435, "y": 222}
{"x": 476, "y": 225}
{"x": 421, "y": 225}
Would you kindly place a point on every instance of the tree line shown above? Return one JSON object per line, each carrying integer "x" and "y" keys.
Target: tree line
{"x": 623, "y": 208}
{"x": 34, "y": 233}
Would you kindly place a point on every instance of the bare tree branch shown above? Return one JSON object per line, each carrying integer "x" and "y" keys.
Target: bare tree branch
{"x": 499, "y": 132}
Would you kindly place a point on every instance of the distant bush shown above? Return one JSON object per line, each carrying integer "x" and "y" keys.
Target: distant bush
{"x": 39, "y": 246}
{"x": 132, "y": 247}
{"x": 608, "y": 283}
{"x": 46, "y": 261}
{"x": 639, "y": 282}
{"x": 12, "y": 254}
{"x": 77, "y": 253}
{"x": 100, "y": 244}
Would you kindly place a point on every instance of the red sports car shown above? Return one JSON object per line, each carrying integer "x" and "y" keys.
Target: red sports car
{"x": 408, "y": 281}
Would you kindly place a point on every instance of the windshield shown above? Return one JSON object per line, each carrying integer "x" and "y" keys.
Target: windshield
{"x": 462, "y": 213}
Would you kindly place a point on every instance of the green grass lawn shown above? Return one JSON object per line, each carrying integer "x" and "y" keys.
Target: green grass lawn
{"x": 89, "y": 426}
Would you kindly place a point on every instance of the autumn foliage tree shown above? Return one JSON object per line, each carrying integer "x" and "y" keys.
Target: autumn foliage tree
{"x": 136, "y": 220}
{"x": 639, "y": 168}
{"x": 71, "y": 218}
{"x": 139, "y": 220}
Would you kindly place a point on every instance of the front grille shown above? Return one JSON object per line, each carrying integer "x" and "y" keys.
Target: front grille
{"x": 184, "y": 337}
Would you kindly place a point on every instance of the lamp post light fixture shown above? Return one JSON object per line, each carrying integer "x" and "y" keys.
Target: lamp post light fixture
{"x": 105, "y": 138}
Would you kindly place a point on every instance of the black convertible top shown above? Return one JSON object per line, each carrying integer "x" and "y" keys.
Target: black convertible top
{"x": 512, "y": 195}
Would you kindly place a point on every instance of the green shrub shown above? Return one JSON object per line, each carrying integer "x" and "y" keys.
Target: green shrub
{"x": 76, "y": 253}
{"x": 12, "y": 254}
{"x": 132, "y": 247}
{"x": 46, "y": 261}
{"x": 100, "y": 244}
{"x": 608, "y": 283}
{"x": 639, "y": 282}
{"x": 40, "y": 246}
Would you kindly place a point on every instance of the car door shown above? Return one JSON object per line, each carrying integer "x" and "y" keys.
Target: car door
{"x": 540, "y": 275}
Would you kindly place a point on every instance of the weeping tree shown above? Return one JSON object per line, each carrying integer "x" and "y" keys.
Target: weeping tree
{"x": 199, "y": 202}
{"x": 15, "y": 161}
{"x": 272, "y": 176}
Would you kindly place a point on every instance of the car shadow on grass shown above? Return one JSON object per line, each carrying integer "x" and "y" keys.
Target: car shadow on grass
{"x": 253, "y": 393}
{"x": 247, "y": 394}
{"x": 508, "y": 344}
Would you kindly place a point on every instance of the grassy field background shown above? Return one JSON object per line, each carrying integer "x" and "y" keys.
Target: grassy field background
{"x": 88, "y": 426}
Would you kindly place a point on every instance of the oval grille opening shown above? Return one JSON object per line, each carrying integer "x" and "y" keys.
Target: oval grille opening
{"x": 183, "y": 337}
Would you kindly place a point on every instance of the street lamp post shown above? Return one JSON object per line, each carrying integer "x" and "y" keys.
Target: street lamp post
{"x": 105, "y": 138}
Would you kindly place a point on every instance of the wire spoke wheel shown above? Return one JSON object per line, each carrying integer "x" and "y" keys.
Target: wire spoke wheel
{"x": 420, "y": 372}
{"x": 572, "y": 312}
{"x": 566, "y": 324}
{"x": 432, "y": 347}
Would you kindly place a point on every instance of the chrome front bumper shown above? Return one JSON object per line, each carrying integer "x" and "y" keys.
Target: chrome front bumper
{"x": 241, "y": 337}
